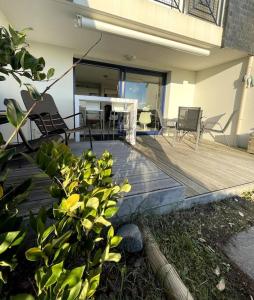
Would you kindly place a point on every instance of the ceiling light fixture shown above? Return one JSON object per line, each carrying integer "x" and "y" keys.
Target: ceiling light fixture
{"x": 130, "y": 57}
{"x": 84, "y": 22}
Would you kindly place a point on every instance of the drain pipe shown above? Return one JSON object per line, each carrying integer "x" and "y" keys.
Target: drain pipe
{"x": 243, "y": 96}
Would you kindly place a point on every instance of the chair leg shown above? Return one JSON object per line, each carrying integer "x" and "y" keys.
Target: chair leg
{"x": 175, "y": 137}
{"x": 114, "y": 115}
{"x": 197, "y": 140}
{"x": 226, "y": 139}
{"x": 90, "y": 138}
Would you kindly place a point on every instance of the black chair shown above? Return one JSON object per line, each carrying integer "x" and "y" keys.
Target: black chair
{"x": 189, "y": 120}
{"x": 48, "y": 119}
{"x": 26, "y": 146}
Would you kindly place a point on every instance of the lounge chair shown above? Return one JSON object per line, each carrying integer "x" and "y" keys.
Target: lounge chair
{"x": 48, "y": 119}
{"x": 25, "y": 146}
{"x": 189, "y": 120}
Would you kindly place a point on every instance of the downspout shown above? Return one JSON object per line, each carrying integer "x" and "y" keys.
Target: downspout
{"x": 243, "y": 97}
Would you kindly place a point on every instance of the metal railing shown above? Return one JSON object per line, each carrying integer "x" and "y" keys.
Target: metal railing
{"x": 208, "y": 10}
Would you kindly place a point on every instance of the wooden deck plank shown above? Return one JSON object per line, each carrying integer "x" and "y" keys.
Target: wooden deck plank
{"x": 144, "y": 176}
{"x": 213, "y": 167}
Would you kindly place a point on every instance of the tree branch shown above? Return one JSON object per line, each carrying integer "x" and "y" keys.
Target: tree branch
{"x": 47, "y": 88}
{"x": 73, "y": 66}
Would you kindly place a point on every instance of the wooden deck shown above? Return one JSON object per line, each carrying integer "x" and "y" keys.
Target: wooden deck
{"x": 163, "y": 177}
{"x": 213, "y": 169}
{"x": 151, "y": 188}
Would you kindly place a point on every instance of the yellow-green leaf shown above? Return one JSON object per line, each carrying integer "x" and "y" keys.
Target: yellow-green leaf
{"x": 93, "y": 203}
{"x": 125, "y": 188}
{"x": 103, "y": 221}
{"x": 34, "y": 254}
{"x": 87, "y": 224}
{"x": 115, "y": 241}
{"x": 68, "y": 203}
{"x": 84, "y": 290}
{"x": 1, "y": 191}
{"x": 115, "y": 257}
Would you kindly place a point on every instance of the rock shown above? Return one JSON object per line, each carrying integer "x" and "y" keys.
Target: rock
{"x": 132, "y": 238}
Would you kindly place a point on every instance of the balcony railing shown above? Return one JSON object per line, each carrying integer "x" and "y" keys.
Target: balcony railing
{"x": 209, "y": 10}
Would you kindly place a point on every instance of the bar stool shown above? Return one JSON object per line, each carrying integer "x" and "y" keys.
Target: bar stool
{"x": 93, "y": 112}
{"x": 119, "y": 109}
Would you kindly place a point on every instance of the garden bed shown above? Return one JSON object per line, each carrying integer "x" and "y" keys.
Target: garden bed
{"x": 192, "y": 240}
{"x": 131, "y": 278}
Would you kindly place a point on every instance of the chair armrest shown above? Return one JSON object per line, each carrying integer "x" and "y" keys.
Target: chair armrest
{"x": 71, "y": 116}
{"x": 76, "y": 114}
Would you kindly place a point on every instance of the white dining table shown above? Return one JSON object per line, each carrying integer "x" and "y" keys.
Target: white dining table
{"x": 131, "y": 106}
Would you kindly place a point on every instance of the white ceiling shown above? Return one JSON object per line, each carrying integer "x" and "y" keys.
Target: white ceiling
{"x": 99, "y": 75}
{"x": 53, "y": 23}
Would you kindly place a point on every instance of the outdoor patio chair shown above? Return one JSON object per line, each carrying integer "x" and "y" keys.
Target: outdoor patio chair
{"x": 26, "y": 146}
{"x": 189, "y": 119}
{"x": 209, "y": 124}
{"x": 48, "y": 119}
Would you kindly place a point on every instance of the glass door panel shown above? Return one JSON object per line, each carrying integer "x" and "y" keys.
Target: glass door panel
{"x": 146, "y": 88}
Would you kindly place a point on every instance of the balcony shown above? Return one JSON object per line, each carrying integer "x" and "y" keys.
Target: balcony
{"x": 208, "y": 10}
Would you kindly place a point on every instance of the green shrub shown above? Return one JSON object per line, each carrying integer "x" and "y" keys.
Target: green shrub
{"x": 12, "y": 233}
{"x": 72, "y": 250}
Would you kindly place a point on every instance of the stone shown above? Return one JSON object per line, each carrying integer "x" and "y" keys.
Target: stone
{"x": 240, "y": 249}
{"x": 132, "y": 238}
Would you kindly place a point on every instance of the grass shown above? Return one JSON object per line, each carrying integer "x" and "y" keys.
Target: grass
{"x": 131, "y": 279}
{"x": 193, "y": 241}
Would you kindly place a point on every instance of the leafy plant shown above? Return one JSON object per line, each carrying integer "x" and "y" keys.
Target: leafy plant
{"x": 18, "y": 62}
{"x": 12, "y": 233}
{"x": 72, "y": 250}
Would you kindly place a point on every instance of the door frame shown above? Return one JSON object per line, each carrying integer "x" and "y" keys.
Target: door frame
{"x": 122, "y": 74}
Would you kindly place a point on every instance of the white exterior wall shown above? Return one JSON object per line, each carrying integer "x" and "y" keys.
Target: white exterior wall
{"x": 218, "y": 91}
{"x": 180, "y": 91}
{"x": 60, "y": 59}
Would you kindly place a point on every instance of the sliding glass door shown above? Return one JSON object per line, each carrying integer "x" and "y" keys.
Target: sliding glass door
{"x": 146, "y": 88}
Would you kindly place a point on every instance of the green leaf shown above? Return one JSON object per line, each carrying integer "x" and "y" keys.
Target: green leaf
{"x": 115, "y": 241}
{"x": 34, "y": 254}
{"x": 70, "y": 202}
{"x": 33, "y": 92}
{"x": 7, "y": 239}
{"x": 2, "y": 78}
{"x": 84, "y": 290}
{"x": 46, "y": 233}
{"x": 111, "y": 232}
{"x": 15, "y": 114}
{"x": 125, "y": 188}
{"x": 110, "y": 212}
{"x": 74, "y": 277}
{"x": 115, "y": 257}
{"x": 87, "y": 224}
{"x": 93, "y": 203}
{"x": 50, "y": 73}
{"x": 56, "y": 271}
{"x": 16, "y": 78}
{"x": 116, "y": 189}
{"x": 6, "y": 155}
{"x": 22, "y": 297}
{"x": 102, "y": 221}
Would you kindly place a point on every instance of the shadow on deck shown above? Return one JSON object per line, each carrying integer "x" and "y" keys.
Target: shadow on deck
{"x": 213, "y": 172}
